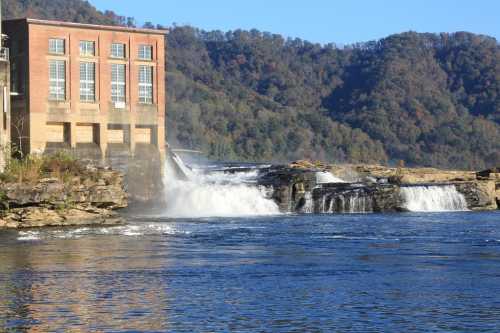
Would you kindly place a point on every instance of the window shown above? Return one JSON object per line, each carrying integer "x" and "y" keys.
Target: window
{"x": 87, "y": 48}
{"x": 146, "y": 84}
{"x": 56, "y": 46}
{"x": 145, "y": 52}
{"x": 87, "y": 82}
{"x": 57, "y": 80}
{"x": 118, "y": 50}
{"x": 117, "y": 83}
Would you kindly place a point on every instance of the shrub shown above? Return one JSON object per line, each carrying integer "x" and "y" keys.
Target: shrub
{"x": 27, "y": 169}
{"x": 32, "y": 168}
{"x": 61, "y": 165}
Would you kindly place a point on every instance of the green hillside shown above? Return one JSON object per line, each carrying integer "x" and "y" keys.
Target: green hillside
{"x": 427, "y": 99}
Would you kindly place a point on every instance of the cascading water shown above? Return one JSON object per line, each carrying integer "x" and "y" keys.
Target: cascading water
{"x": 182, "y": 170}
{"x": 360, "y": 204}
{"x": 220, "y": 194}
{"x": 433, "y": 198}
{"x": 324, "y": 177}
{"x": 347, "y": 202}
{"x": 308, "y": 207}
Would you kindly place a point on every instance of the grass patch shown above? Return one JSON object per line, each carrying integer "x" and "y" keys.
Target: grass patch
{"x": 32, "y": 168}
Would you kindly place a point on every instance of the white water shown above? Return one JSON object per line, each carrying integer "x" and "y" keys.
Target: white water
{"x": 187, "y": 173}
{"x": 348, "y": 203}
{"x": 433, "y": 199}
{"x": 215, "y": 194}
{"x": 359, "y": 204}
{"x": 325, "y": 177}
{"x": 128, "y": 230}
{"x": 309, "y": 203}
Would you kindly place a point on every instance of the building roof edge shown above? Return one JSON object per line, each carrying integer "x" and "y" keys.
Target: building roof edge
{"x": 91, "y": 26}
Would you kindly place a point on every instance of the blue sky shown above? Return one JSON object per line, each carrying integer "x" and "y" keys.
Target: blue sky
{"x": 320, "y": 21}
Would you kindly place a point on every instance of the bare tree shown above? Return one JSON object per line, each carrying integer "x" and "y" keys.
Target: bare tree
{"x": 18, "y": 126}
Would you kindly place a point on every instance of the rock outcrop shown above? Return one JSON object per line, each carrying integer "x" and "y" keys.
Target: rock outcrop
{"x": 370, "y": 188}
{"x": 289, "y": 186}
{"x": 90, "y": 199}
{"x": 295, "y": 190}
{"x": 357, "y": 198}
{"x": 480, "y": 195}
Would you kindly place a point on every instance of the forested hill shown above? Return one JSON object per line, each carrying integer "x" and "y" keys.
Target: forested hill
{"x": 427, "y": 99}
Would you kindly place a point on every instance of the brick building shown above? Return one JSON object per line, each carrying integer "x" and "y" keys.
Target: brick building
{"x": 79, "y": 86}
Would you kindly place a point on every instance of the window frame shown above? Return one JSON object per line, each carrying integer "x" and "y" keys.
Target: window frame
{"x": 58, "y": 82}
{"x": 53, "y": 46}
{"x": 117, "y": 56}
{"x": 84, "y": 48}
{"x": 118, "y": 88}
{"x": 87, "y": 82}
{"x": 142, "y": 54}
{"x": 145, "y": 84}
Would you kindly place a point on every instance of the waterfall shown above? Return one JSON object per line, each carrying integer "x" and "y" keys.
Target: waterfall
{"x": 347, "y": 202}
{"x": 181, "y": 169}
{"x": 308, "y": 207}
{"x": 325, "y": 177}
{"x": 216, "y": 194}
{"x": 433, "y": 198}
{"x": 359, "y": 204}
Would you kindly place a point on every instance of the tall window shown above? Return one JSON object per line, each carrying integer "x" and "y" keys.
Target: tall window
{"x": 56, "y": 46}
{"x": 87, "y": 48}
{"x": 145, "y": 52}
{"x": 117, "y": 83}
{"x": 118, "y": 50}
{"x": 87, "y": 82}
{"x": 57, "y": 80}
{"x": 146, "y": 84}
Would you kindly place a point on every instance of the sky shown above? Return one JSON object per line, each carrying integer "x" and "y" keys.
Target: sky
{"x": 321, "y": 21}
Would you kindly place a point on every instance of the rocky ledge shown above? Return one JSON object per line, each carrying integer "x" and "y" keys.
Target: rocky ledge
{"x": 370, "y": 188}
{"x": 89, "y": 199}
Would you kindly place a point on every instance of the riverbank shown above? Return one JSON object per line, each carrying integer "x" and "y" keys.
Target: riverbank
{"x": 60, "y": 191}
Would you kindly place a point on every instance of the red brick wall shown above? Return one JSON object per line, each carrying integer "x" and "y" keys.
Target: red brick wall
{"x": 39, "y": 56}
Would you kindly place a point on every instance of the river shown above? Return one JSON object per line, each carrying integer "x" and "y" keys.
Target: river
{"x": 410, "y": 272}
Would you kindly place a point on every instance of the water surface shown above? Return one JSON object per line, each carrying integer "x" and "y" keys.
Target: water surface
{"x": 360, "y": 273}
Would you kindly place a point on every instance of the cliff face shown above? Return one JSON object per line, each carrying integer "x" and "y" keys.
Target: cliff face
{"x": 89, "y": 199}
